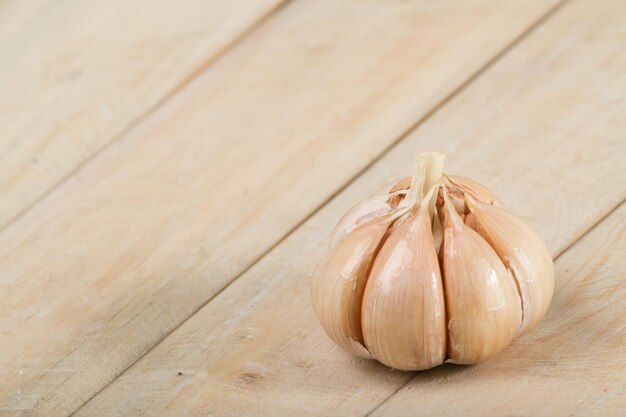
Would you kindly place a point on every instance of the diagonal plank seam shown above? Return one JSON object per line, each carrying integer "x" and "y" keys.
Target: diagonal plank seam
{"x": 186, "y": 81}
{"x": 427, "y": 116}
{"x": 577, "y": 239}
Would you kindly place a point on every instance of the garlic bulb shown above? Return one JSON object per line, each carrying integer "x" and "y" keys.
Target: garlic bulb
{"x": 432, "y": 269}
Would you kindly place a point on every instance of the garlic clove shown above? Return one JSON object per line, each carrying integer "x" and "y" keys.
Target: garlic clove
{"x": 368, "y": 209}
{"x": 475, "y": 189}
{"x": 403, "y": 315}
{"x": 482, "y": 302}
{"x": 339, "y": 282}
{"x": 522, "y": 251}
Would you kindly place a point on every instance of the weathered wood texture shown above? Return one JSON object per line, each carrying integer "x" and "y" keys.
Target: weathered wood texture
{"x": 75, "y": 74}
{"x": 546, "y": 134}
{"x": 572, "y": 365}
{"x": 126, "y": 249}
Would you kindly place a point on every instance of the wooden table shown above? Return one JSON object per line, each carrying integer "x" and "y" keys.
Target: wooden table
{"x": 170, "y": 172}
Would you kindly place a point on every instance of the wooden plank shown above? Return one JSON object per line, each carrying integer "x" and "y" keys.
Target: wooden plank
{"x": 257, "y": 348}
{"x": 161, "y": 221}
{"x": 74, "y": 75}
{"x": 573, "y": 365}
{"x": 14, "y": 14}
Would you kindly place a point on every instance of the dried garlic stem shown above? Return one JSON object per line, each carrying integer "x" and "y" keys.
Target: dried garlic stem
{"x": 417, "y": 183}
{"x": 427, "y": 173}
{"x": 434, "y": 167}
{"x": 434, "y": 171}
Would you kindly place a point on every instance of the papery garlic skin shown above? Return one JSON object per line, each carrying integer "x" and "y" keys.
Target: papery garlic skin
{"x": 483, "y": 306}
{"x": 361, "y": 213}
{"x": 403, "y": 315}
{"x": 523, "y": 252}
{"x": 476, "y": 190}
{"x": 339, "y": 283}
{"x": 401, "y": 184}
{"x": 368, "y": 209}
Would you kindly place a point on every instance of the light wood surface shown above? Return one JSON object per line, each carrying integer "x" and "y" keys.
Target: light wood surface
{"x": 257, "y": 348}
{"x": 141, "y": 237}
{"x": 230, "y": 126}
{"x": 74, "y": 75}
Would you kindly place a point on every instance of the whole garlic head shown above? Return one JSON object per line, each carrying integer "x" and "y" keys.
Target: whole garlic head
{"x": 433, "y": 269}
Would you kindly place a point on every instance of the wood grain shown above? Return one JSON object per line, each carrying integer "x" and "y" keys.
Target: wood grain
{"x": 74, "y": 75}
{"x": 257, "y": 348}
{"x": 143, "y": 235}
{"x": 573, "y": 365}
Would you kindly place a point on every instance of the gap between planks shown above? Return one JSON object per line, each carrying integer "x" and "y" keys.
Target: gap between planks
{"x": 473, "y": 77}
{"x": 193, "y": 74}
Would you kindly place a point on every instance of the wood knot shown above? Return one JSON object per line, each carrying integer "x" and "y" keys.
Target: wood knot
{"x": 250, "y": 377}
